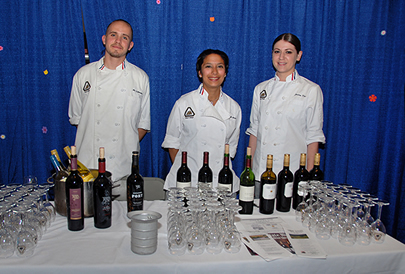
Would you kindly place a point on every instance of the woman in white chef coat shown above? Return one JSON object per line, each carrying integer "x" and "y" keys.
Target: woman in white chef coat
{"x": 204, "y": 120}
{"x": 286, "y": 114}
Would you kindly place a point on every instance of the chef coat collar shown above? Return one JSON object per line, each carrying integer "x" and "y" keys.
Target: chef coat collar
{"x": 218, "y": 111}
{"x": 204, "y": 93}
{"x": 290, "y": 78}
{"x": 102, "y": 67}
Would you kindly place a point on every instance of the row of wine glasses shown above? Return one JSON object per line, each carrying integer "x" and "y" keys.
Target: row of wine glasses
{"x": 341, "y": 212}
{"x": 201, "y": 219}
{"x": 25, "y": 216}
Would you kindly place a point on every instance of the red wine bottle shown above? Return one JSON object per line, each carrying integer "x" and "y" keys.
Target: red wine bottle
{"x": 225, "y": 176}
{"x": 301, "y": 177}
{"x": 102, "y": 195}
{"x": 268, "y": 188}
{"x": 74, "y": 196}
{"x": 316, "y": 173}
{"x": 247, "y": 186}
{"x": 205, "y": 172}
{"x": 135, "y": 186}
{"x": 183, "y": 173}
{"x": 284, "y": 186}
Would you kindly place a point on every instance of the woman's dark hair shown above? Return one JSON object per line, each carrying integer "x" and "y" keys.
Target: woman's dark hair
{"x": 205, "y": 53}
{"x": 289, "y": 37}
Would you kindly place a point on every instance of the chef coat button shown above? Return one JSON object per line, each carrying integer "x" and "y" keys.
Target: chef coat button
{"x": 264, "y": 143}
{"x": 278, "y": 112}
{"x": 266, "y": 127}
{"x": 267, "y": 112}
{"x": 204, "y": 143}
{"x": 98, "y": 105}
{"x": 99, "y": 88}
{"x": 98, "y": 122}
{"x": 98, "y": 139}
{"x": 283, "y": 97}
{"x": 203, "y": 125}
{"x": 222, "y": 129}
{"x": 274, "y": 144}
{"x": 117, "y": 124}
{"x": 123, "y": 89}
{"x": 277, "y": 128}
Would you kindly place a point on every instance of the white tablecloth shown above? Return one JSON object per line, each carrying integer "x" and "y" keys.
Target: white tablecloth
{"x": 108, "y": 251}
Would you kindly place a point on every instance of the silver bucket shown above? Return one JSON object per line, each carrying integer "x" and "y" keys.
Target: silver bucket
{"x": 144, "y": 227}
{"x": 60, "y": 194}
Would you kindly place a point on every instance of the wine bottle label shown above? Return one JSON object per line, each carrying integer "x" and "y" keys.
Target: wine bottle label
{"x": 288, "y": 190}
{"x": 269, "y": 191}
{"x": 246, "y": 193}
{"x": 137, "y": 200}
{"x": 106, "y": 203}
{"x": 228, "y": 187}
{"x": 183, "y": 184}
{"x": 75, "y": 198}
{"x": 302, "y": 183}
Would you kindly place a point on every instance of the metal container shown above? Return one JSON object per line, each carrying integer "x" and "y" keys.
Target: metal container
{"x": 144, "y": 227}
{"x": 60, "y": 194}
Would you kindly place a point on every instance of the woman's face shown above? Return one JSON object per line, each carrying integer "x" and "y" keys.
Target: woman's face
{"x": 285, "y": 56}
{"x": 212, "y": 71}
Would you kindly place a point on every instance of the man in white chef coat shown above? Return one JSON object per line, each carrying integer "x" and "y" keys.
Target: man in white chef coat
{"x": 110, "y": 105}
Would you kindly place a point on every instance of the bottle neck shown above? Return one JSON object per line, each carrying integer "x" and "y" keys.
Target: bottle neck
{"x": 135, "y": 164}
{"x": 248, "y": 162}
{"x": 205, "y": 158}
{"x": 101, "y": 165}
{"x": 226, "y": 160}
{"x": 73, "y": 162}
{"x": 184, "y": 158}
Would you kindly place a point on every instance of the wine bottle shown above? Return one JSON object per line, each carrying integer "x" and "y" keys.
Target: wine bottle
{"x": 102, "y": 195}
{"x": 135, "y": 186}
{"x": 74, "y": 196}
{"x": 316, "y": 173}
{"x": 55, "y": 152}
{"x": 183, "y": 173}
{"x": 225, "y": 176}
{"x": 284, "y": 186}
{"x": 61, "y": 174}
{"x": 268, "y": 188}
{"x": 247, "y": 186}
{"x": 205, "y": 173}
{"x": 301, "y": 177}
{"x": 84, "y": 172}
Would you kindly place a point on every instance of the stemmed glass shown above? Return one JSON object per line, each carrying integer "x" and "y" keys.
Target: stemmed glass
{"x": 194, "y": 233}
{"x": 299, "y": 211}
{"x": 232, "y": 241}
{"x": 347, "y": 234}
{"x": 377, "y": 227}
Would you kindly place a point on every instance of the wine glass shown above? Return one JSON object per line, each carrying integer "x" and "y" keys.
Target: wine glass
{"x": 377, "y": 227}
{"x": 299, "y": 211}
{"x": 347, "y": 234}
{"x": 7, "y": 243}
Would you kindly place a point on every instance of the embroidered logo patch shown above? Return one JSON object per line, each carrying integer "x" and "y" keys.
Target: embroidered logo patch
{"x": 263, "y": 94}
{"x": 189, "y": 113}
{"x": 86, "y": 87}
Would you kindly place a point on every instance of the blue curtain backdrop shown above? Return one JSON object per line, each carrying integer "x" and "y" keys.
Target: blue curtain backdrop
{"x": 353, "y": 49}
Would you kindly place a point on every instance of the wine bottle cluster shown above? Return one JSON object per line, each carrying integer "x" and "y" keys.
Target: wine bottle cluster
{"x": 205, "y": 175}
{"x": 284, "y": 187}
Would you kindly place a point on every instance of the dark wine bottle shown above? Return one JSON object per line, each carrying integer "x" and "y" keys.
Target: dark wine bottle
{"x": 247, "y": 186}
{"x": 183, "y": 173}
{"x": 301, "y": 177}
{"x": 102, "y": 195}
{"x": 74, "y": 196}
{"x": 268, "y": 188}
{"x": 205, "y": 173}
{"x": 284, "y": 186}
{"x": 225, "y": 176}
{"x": 135, "y": 186}
{"x": 316, "y": 173}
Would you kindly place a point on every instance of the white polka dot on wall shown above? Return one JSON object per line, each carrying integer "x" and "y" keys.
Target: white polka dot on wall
{"x": 383, "y": 32}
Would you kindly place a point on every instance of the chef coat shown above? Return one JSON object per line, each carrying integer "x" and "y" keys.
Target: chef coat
{"x": 109, "y": 106}
{"x": 195, "y": 126}
{"x": 285, "y": 118}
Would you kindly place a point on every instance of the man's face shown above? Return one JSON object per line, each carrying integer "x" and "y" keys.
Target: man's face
{"x": 117, "y": 39}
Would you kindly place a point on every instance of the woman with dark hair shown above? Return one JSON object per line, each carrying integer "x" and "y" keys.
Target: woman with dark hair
{"x": 204, "y": 120}
{"x": 287, "y": 112}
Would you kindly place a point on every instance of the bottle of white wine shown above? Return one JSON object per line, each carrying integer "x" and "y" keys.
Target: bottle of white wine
{"x": 247, "y": 186}
{"x": 268, "y": 188}
{"x": 84, "y": 172}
